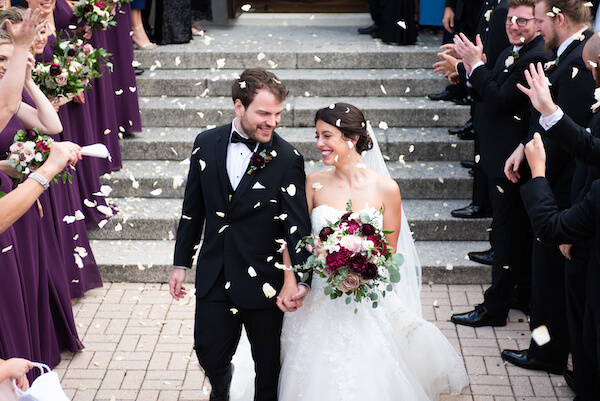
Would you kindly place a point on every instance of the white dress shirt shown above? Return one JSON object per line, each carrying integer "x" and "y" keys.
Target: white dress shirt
{"x": 238, "y": 158}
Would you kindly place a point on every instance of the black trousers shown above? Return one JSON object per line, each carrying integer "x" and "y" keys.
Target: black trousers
{"x": 584, "y": 370}
{"x": 217, "y": 334}
{"x": 511, "y": 239}
{"x": 549, "y": 304}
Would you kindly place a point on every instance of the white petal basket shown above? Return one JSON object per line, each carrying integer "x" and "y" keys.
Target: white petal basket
{"x": 45, "y": 388}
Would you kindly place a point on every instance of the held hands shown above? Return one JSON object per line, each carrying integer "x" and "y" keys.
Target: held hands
{"x": 538, "y": 90}
{"x": 291, "y": 296}
{"x": 536, "y": 156}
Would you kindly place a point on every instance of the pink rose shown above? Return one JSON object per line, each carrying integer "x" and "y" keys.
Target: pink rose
{"x": 352, "y": 243}
{"x": 350, "y": 283}
{"x": 27, "y": 155}
{"x": 87, "y": 48}
{"x": 61, "y": 80}
{"x": 17, "y": 147}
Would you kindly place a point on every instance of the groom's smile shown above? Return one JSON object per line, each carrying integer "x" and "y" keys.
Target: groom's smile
{"x": 260, "y": 118}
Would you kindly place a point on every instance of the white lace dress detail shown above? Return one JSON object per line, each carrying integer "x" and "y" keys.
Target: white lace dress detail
{"x": 329, "y": 352}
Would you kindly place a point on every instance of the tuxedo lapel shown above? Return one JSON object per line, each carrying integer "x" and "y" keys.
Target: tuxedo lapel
{"x": 249, "y": 177}
{"x": 221, "y": 156}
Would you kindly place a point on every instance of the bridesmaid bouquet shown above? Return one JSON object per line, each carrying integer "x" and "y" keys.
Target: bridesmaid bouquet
{"x": 96, "y": 14}
{"x": 352, "y": 254}
{"x": 74, "y": 64}
{"x": 29, "y": 151}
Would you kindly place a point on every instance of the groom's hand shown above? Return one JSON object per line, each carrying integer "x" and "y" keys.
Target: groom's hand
{"x": 176, "y": 288}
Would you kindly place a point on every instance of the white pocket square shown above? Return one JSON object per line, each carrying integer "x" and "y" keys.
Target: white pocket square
{"x": 258, "y": 185}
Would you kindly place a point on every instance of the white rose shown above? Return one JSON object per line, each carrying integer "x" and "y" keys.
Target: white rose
{"x": 29, "y": 145}
{"x": 352, "y": 243}
{"x": 509, "y": 61}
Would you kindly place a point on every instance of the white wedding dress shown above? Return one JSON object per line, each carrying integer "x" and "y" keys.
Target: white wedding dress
{"x": 329, "y": 352}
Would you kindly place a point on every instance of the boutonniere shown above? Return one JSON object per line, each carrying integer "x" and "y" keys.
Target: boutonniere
{"x": 510, "y": 60}
{"x": 259, "y": 160}
{"x": 488, "y": 14}
{"x": 596, "y": 106}
{"x": 550, "y": 65}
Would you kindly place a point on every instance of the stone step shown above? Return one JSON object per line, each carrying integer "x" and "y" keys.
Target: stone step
{"x": 342, "y": 82}
{"x": 300, "y": 111}
{"x": 434, "y": 144}
{"x": 443, "y": 262}
{"x": 155, "y": 219}
{"x": 316, "y": 47}
{"x": 166, "y": 179}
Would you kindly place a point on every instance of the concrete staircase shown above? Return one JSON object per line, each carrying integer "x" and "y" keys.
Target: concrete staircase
{"x": 322, "y": 60}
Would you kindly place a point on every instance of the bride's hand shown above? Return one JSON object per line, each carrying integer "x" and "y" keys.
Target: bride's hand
{"x": 287, "y": 300}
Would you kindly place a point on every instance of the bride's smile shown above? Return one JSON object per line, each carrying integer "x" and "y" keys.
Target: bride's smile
{"x": 333, "y": 147}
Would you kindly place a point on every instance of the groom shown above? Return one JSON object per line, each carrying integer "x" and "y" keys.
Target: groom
{"x": 246, "y": 189}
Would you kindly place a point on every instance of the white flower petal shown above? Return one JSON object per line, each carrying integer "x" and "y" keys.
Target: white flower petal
{"x": 293, "y": 229}
{"x": 69, "y": 219}
{"x": 156, "y": 192}
{"x": 261, "y": 56}
{"x": 8, "y": 248}
{"x": 233, "y": 311}
{"x": 252, "y": 272}
{"x": 79, "y": 215}
{"x": 401, "y": 24}
{"x": 246, "y": 7}
{"x": 291, "y": 190}
{"x": 268, "y": 290}
{"x": 317, "y": 186}
{"x": 223, "y": 228}
{"x": 541, "y": 335}
{"x": 317, "y": 59}
{"x": 383, "y": 125}
{"x": 118, "y": 227}
{"x": 105, "y": 210}
{"x": 228, "y": 285}
{"x": 574, "y": 72}
{"x": 220, "y": 214}
{"x": 383, "y": 89}
{"x": 202, "y": 164}
{"x": 78, "y": 260}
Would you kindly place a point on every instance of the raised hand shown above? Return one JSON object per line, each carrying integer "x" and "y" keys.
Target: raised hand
{"x": 536, "y": 156}
{"x": 470, "y": 53}
{"x": 538, "y": 91}
{"x": 446, "y": 66}
{"x": 24, "y": 34}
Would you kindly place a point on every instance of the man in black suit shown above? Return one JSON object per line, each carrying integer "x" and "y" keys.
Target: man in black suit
{"x": 502, "y": 120}
{"x": 246, "y": 189}
{"x": 563, "y": 24}
{"x": 580, "y": 223}
{"x": 583, "y": 144}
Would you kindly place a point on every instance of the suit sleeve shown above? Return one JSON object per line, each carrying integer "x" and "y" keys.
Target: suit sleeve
{"x": 293, "y": 203}
{"x": 193, "y": 215}
{"x": 556, "y": 227}
{"x": 502, "y": 96}
{"x": 576, "y": 140}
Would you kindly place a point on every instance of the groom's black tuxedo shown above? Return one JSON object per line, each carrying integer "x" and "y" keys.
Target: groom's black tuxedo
{"x": 239, "y": 259}
{"x": 241, "y": 227}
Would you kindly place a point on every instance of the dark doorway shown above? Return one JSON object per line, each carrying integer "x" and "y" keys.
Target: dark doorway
{"x": 301, "y": 6}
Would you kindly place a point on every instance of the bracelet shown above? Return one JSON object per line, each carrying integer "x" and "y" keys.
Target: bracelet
{"x": 43, "y": 182}
{"x": 18, "y": 107}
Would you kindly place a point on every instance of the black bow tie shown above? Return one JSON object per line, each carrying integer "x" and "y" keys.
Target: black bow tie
{"x": 251, "y": 143}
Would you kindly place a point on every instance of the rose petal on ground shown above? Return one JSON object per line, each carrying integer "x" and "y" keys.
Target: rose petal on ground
{"x": 317, "y": 59}
{"x": 261, "y": 56}
{"x": 268, "y": 290}
{"x": 383, "y": 125}
{"x": 118, "y": 227}
{"x": 436, "y": 117}
{"x": 221, "y": 63}
{"x": 383, "y": 89}
{"x": 411, "y": 148}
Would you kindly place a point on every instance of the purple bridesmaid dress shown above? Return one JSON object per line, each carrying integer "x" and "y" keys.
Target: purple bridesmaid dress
{"x": 46, "y": 291}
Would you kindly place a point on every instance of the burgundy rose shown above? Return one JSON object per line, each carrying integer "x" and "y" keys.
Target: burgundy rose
{"x": 357, "y": 263}
{"x": 257, "y": 161}
{"x": 353, "y": 225}
{"x": 367, "y": 229}
{"x": 325, "y": 232}
{"x": 380, "y": 245}
{"x": 42, "y": 146}
{"x": 71, "y": 52}
{"x": 55, "y": 69}
{"x": 31, "y": 135}
{"x": 370, "y": 272}
{"x": 346, "y": 216}
{"x": 88, "y": 8}
{"x": 99, "y": 4}
{"x": 338, "y": 259}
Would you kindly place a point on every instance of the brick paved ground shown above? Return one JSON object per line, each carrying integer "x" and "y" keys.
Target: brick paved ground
{"x": 139, "y": 347}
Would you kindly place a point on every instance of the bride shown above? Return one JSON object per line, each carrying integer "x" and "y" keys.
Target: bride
{"x": 384, "y": 353}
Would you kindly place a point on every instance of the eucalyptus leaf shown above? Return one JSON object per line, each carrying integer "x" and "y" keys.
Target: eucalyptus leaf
{"x": 348, "y": 300}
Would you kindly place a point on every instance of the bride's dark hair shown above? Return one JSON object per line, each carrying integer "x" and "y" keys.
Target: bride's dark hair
{"x": 350, "y": 121}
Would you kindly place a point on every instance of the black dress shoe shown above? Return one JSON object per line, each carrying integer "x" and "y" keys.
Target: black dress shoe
{"x": 523, "y": 360}
{"x": 377, "y": 34}
{"x": 484, "y": 257}
{"x": 471, "y": 171}
{"x": 467, "y": 164}
{"x": 463, "y": 101}
{"x": 445, "y": 95}
{"x": 368, "y": 30}
{"x": 471, "y": 212}
{"x": 138, "y": 70}
{"x": 478, "y": 317}
{"x": 466, "y": 135}
{"x": 570, "y": 380}
{"x": 468, "y": 127}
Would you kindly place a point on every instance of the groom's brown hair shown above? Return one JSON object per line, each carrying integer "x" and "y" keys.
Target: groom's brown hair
{"x": 253, "y": 79}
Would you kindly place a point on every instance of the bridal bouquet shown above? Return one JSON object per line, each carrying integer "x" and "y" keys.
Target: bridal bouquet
{"x": 96, "y": 14}
{"x": 353, "y": 255}
{"x": 73, "y": 65}
{"x": 29, "y": 151}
